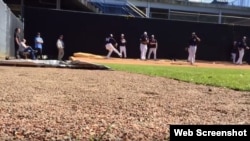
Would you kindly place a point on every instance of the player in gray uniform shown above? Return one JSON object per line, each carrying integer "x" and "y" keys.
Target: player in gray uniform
{"x": 122, "y": 44}
{"x": 153, "y": 45}
{"x": 242, "y": 45}
{"x": 144, "y": 45}
{"x": 111, "y": 45}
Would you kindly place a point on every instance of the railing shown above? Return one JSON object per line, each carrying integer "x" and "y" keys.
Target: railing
{"x": 116, "y": 7}
{"x": 237, "y": 3}
{"x": 242, "y": 3}
{"x": 130, "y": 9}
{"x": 90, "y": 6}
{"x": 135, "y": 9}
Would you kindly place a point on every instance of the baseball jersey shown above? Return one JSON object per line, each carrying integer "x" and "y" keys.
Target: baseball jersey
{"x": 144, "y": 39}
{"x": 193, "y": 41}
{"x": 110, "y": 40}
{"x": 122, "y": 42}
{"x": 152, "y": 43}
{"x": 242, "y": 44}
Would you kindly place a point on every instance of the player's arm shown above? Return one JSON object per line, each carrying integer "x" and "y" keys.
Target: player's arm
{"x": 41, "y": 40}
{"x": 197, "y": 38}
{"x": 36, "y": 40}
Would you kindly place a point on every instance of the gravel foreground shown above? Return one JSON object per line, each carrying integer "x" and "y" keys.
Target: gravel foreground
{"x": 66, "y": 104}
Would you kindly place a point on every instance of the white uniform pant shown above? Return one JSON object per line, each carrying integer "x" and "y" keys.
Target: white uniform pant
{"x": 192, "y": 52}
{"x": 241, "y": 55}
{"x": 189, "y": 56}
{"x": 233, "y": 57}
{"x": 150, "y": 52}
{"x": 143, "y": 49}
{"x": 111, "y": 48}
{"x": 123, "y": 51}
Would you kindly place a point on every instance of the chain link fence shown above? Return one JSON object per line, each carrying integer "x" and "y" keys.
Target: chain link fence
{"x": 8, "y": 23}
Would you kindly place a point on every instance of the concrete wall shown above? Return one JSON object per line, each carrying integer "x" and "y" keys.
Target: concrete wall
{"x": 8, "y": 23}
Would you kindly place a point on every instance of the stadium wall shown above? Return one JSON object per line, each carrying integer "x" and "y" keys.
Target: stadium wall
{"x": 8, "y": 23}
{"x": 86, "y": 32}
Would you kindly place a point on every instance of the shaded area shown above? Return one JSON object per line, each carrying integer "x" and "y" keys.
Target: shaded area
{"x": 85, "y": 32}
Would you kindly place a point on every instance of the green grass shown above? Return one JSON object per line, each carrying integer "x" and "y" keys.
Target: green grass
{"x": 236, "y": 79}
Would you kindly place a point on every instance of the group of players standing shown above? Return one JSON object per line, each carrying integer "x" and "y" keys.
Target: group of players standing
{"x": 151, "y": 43}
{"x": 111, "y": 45}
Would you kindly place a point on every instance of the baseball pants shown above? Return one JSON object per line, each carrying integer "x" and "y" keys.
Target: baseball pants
{"x": 241, "y": 55}
{"x": 152, "y": 50}
{"x": 192, "y": 52}
{"x": 111, "y": 48}
{"x": 143, "y": 49}
{"x": 123, "y": 51}
{"x": 189, "y": 56}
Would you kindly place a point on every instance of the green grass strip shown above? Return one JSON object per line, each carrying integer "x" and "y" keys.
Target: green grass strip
{"x": 236, "y": 79}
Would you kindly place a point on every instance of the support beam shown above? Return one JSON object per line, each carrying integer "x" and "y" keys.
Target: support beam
{"x": 22, "y": 10}
{"x": 220, "y": 16}
{"x": 148, "y": 9}
{"x": 58, "y": 4}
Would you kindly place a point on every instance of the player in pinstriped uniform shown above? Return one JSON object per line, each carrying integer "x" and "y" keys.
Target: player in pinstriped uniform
{"x": 122, "y": 44}
{"x": 111, "y": 45}
{"x": 153, "y": 45}
{"x": 144, "y": 45}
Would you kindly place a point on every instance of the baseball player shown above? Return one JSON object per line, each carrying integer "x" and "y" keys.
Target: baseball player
{"x": 193, "y": 47}
{"x": 234, "y": 51}
{"x": 242, "y": 45}
{"x": 144, "y": 45}
{"x": 153, "y": 45}
{"x": 122, "y": 44}
{"x": 110, "y": 46}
